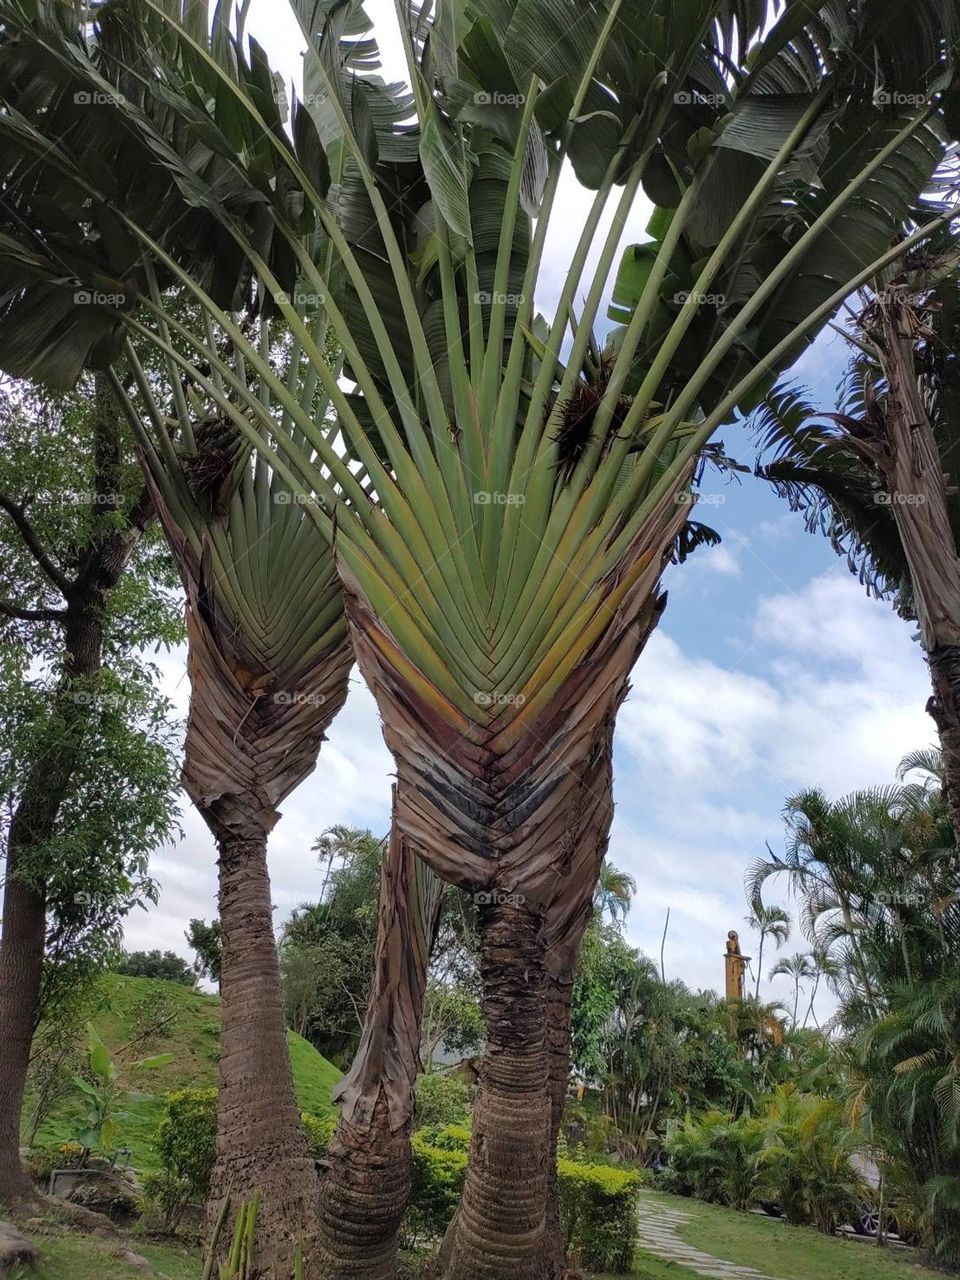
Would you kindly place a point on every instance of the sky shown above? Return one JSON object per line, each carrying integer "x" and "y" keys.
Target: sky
{"x": 771, "y": 671}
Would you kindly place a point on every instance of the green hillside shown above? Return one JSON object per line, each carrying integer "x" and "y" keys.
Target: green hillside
{"x": 189, "y": 1029}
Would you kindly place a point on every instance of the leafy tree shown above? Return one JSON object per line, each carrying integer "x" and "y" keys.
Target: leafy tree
{"x": 770, "y": 922}
{"x": 876, "y": 475}
{"x": 207, "y": 944}
{"x": 87, "y": 770}
{"x": 799, "y": 968}
{"x": 157, "y": 964}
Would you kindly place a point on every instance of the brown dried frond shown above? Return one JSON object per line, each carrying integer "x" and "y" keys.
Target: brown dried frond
{"x": 579, "y": 414}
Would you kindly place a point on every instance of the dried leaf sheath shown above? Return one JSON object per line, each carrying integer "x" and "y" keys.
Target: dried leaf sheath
{"x": 366, "y": 1182}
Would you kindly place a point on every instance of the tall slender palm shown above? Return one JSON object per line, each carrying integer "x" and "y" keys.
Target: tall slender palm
{"x": 525, "y": 506}
{"x": 614, "y": 891}
{"x": 770, "y": 922}
{"x": 799, "y": 968}
{"x": 877, "y": 475}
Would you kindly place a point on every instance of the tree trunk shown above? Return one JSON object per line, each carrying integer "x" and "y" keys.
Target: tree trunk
{"x": 501, "y": 1223}
{"x": 944, "y": 707}
{"x": 914, "y": 474}
{"x": 24, "y": 928}
{"x": 367, "y": 1175}
{"x": 559, "y": 997}
{"x": 261, "y": 1145}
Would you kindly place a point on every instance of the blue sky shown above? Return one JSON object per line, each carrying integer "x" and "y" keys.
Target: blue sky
{"x": 771, "y": 671}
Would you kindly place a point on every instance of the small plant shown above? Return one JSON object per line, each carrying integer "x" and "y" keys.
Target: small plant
{"x": 239, "y": 1263}
{"x": 103, "y": 1090}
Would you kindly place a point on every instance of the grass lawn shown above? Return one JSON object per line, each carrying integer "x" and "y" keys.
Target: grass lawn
{"x": 775, "y": 1249}
{"x": 192, "y": 1037}
{"x": 71, "y": 1256}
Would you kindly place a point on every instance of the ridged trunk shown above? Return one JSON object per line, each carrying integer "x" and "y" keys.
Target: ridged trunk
{"x": 913, "y": 471}
{"x": 24, "y": 928}
{"x": 501, "y": 1222}
{"x": 367, "y": 1173}
{"x": 261, "y": 1145}
{"x": 944, "y": 707}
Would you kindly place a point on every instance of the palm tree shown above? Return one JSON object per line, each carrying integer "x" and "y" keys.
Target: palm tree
{"x": 876, "y": 475}
{"x": 614, "y": 891}
{"x": 525, "y": 507}
{"x": 770, "y": 922}
{"x": 799, "y": 967}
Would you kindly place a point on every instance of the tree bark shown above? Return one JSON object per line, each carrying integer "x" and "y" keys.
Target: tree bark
{"x": 500, "y": 1230}
{"x": 261, "y": 1145}
{"x": 944, "y": 707}
{"x": 914, "y": 473}
{"x": 367, "y": 1173}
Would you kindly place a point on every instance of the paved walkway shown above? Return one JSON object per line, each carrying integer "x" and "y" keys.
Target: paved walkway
{"x": 658, "y": 1235}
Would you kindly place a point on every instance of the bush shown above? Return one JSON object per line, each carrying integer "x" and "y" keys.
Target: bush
{"x": 598, "y": 1204}
{"x": 438, "y": 1175}
{"x": 714, "y": 1157}
{"x": 319, "y": 1131}
{"x": 598, "y": 1214}
{"x": 442, "y": 1098}
{"x": 186, "y": 1144}
{"x": 42, "y": 1162}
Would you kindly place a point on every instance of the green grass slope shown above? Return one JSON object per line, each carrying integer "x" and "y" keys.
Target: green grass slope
{"x": 191, "y": 1035}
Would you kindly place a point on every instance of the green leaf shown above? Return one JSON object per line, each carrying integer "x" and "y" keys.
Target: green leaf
{"x": 444, "y": 169}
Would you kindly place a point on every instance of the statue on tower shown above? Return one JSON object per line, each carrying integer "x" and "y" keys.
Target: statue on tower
{"x": 736, "y": 966}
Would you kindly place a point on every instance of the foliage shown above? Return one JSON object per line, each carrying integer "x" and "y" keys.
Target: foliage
{"x": 598, "y": 1214}
{"x": 598, "y": 1204}
{"x": 157, "y": 964}
{"x": 205, "y": 941}
{"x": 191, "y": 1037}
{"x": 712, "y": 1157}
{"x": 42, "y": 1161}
{"x": 326, "y": 953}
{"x": 103, "y": 1089}
{"x": 320, "y": 1131}
{"x": 442, "y": 1098}
{"x": 186, "y": 1143}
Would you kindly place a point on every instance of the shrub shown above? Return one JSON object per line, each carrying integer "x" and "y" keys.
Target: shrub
{"x": 438, "y": 1175}
{"x": 42, "y": 1162}
{"x": 320, "y": 1131}
{"x": 598, "y": 1203}
{"x": 713, "y": 1157}
{"x": 598, "y": 1214}
{"x": 442, "y": 1098}
{"x": 186, "y": 1144}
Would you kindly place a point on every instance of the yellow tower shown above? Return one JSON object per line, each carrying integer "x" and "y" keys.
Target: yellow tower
{"x": 736, "y": 967}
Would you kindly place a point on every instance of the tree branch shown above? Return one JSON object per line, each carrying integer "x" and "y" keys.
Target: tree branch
{"x": 33, "y": 544}
{"x": 11, "y": 610}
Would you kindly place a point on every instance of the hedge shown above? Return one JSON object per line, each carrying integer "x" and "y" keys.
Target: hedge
{"x": 598, "y": 1203}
